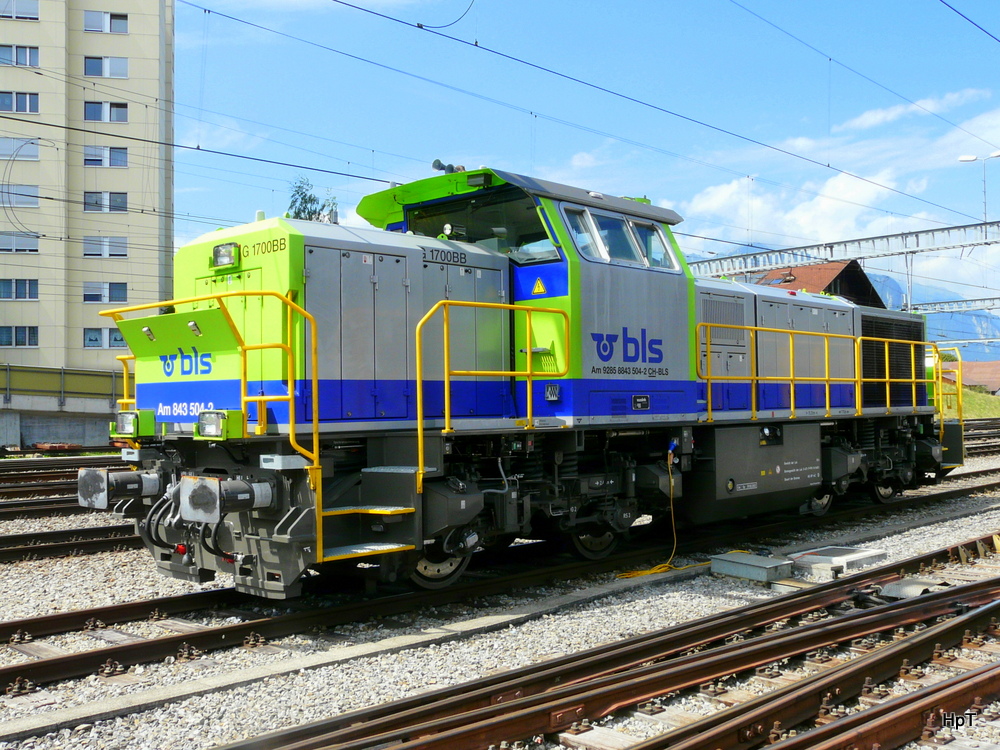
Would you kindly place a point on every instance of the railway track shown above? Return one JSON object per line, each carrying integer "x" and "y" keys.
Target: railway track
{"x": 43, "y": 544}
{"x": 982, "y": 436}
{"x": 35, "y": 487}
{"x": 41, "y": 507}
{"x": 254, "y": 629}
{"x": 569, "y": 694}
{"x": 9, "y": 466}
{"x": 34, "y": 546}
{"x": 187, "y": 638}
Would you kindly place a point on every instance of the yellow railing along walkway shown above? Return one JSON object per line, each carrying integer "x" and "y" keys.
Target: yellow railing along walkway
{"x": 528, "y": 373}
{"x": 857, "y": 380}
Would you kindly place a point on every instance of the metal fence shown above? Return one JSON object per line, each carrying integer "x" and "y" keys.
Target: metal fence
{"x": 59, "y": 382}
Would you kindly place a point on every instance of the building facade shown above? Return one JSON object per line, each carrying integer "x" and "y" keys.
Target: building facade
{"x": 86, "y": 189}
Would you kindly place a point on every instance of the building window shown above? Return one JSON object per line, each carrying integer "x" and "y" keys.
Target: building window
{"x": 18, "y": 101}
{"x": 18, "y": 242}
{"x": 22, "y": 10}
{"x": 18, "y": 289}
{"x": 116, "y": 203}
{"x": 107, "y": 23}
{"x": 103, "y": 338}
{"x": 18, "y": 336}
{"x": 105, "y": 156}
{"x": 105, "y": 247}
{"x": 105, "y": 291}
{"x": 105, "y": 67}
{"x": 105, "y": 111}
{"x": 20, "y": 149}
{"x": 19, "y": 196}
{"x": 14, "y": 54}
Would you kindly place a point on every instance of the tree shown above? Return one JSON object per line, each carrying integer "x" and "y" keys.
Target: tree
{"x": 305, "y": 205}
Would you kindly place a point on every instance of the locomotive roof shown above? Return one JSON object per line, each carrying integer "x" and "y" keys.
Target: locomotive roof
{"x": 386, "y": 206}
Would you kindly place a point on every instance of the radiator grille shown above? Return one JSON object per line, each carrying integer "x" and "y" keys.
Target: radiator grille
{"x": 901, "y": 365}
{"x": 724, "y": 312}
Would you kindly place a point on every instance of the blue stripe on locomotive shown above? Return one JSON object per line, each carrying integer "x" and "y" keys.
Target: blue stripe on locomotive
{"x": 345, "y": 401}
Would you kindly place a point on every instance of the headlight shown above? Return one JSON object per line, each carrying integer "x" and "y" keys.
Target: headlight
{"x": 225, "y": 255}
{"x": 212, "y": 424}
{"x": 127, "y": 423}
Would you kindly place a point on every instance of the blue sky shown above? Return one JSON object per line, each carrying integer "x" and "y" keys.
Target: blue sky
{"x": 892, "y": 91}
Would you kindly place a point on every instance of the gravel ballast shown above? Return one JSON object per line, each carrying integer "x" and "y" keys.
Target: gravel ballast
{"x": 305, "y": 695}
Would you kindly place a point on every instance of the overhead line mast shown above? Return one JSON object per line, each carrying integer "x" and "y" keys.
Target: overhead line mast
{"x": 905, "y": 243}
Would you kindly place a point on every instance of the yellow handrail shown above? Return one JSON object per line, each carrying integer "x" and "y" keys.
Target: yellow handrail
{"x": 125, "y": 400}
{"x": 528, "y": 373}
{"x": 314, "y": 470}
{"x": 953, "y": 391}
{"x": 913, "y": 380}
{"x": 705, "y": 373}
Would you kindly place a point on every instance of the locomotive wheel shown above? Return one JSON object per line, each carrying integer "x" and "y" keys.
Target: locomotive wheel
{"x": 436, "y": 570}
{"x": 882, "y": 492}
{"x": 594, "y": 546}
{"x": 820, "y": 504}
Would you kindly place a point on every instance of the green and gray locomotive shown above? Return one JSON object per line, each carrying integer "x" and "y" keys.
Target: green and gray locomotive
{"x": 499, "y": 357}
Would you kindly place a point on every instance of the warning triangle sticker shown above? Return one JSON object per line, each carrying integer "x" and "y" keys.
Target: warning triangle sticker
{"x": 539, "y": 287}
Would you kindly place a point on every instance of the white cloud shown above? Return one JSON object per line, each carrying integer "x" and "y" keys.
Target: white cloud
{"x": 349, "y": 217}
{"x": 875, "y": 117}
{"x": 751, "y": 211}
{"x": 584, "y": 160}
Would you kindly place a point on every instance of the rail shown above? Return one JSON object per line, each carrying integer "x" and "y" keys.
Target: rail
{"x": 858, "y": 380}
{"x": 314, "y": 470}
{"x": 528, "y": 373}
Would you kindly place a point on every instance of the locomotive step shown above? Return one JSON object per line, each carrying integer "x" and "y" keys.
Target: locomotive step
{"x": 377, "y": 510}
{"x": 363, "y": 550}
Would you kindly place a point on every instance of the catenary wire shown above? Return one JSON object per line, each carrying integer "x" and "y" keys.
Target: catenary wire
{"x": 610, "y": 92}
{"x": 991, "y": 36}
{"x": 858, "y": 73}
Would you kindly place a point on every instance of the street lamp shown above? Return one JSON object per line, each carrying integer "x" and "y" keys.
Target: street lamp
{"x": 983, "y": 159}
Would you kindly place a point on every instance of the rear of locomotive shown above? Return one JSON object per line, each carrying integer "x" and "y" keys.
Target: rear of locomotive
{"x": 833, "y": 398}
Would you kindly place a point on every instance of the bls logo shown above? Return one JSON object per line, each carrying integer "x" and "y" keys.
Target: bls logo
{"x": 605, "y": 345}
{"x": 633, "y": 349}
{"x": 191, "y": 364}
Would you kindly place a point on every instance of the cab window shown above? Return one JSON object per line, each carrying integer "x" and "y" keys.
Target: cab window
{"x": 653, "y": 246}
{"x": 503, "y": 219}
{"x": 616, "y": 238}
{"x": 583, "y": 237}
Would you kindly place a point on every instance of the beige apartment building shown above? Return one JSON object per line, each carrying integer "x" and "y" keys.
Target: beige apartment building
{"x": 86, "y": 188}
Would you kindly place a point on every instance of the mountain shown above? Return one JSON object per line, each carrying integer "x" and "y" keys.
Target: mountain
{"x": 979, "y": 324}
